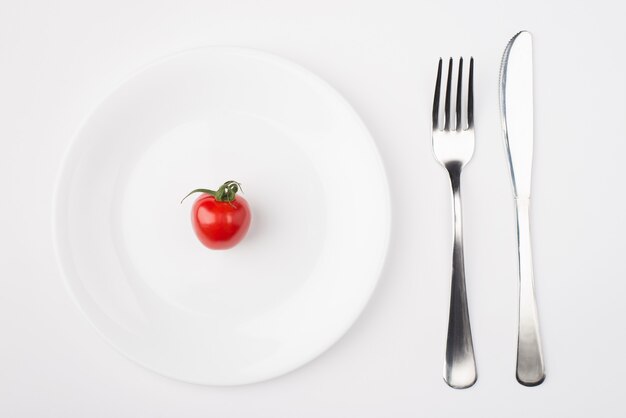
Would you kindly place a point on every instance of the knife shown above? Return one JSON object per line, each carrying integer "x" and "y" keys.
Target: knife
{"x": 516, "y": 111}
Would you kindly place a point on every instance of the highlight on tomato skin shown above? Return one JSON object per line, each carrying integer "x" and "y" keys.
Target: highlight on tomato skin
{"x": 221, "y": 218}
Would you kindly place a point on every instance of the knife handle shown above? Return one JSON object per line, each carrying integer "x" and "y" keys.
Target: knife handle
{"x": 530, "y": 367}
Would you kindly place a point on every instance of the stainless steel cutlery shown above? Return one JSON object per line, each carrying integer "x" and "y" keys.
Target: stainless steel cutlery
{"x": 453, "y": 146}
{"x": 516, "y": 110}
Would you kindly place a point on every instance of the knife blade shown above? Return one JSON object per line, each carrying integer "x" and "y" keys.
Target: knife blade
{"x": 516, "y": 108}
{"x": 516, "y": 111}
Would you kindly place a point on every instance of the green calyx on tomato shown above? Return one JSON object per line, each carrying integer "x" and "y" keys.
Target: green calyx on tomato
{"x": 225, "y": 193}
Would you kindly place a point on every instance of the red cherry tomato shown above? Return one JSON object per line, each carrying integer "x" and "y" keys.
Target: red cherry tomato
{"x": 220, "y": 218}
{"x": 220, "y": 225}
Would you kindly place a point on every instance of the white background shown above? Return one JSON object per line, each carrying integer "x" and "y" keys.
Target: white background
{"x": 58, "y": 59}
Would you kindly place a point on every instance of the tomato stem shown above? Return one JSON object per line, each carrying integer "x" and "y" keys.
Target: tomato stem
{"x": 226, "y": 192}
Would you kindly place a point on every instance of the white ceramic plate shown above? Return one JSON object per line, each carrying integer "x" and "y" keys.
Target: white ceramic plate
{"x": 319, "y": 233}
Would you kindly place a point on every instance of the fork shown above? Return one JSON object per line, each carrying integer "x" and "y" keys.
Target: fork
{"x": 453, "y": 146}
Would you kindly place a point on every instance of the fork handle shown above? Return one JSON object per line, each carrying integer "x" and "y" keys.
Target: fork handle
{"x": 460, "y": 365}
{"x": 530, "y": 368}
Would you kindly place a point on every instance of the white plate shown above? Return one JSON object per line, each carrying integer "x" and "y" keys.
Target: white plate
{"x": 319, "y": 233}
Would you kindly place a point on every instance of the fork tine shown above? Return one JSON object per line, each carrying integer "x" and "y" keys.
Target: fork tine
{"x": 459, "y": 92}
{"x": 470, "y": 96}
{"x": 437, "y": 96}
{"x": 446, "y": 119}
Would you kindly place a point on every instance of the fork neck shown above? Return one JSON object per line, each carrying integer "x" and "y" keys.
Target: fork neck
{"x": 454, "y": 171}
